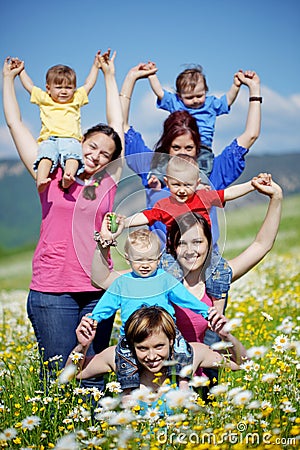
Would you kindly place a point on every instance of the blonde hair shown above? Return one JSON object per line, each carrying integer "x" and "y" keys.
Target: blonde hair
{"x": 143, "y": 239}
{"x": 182, "y": 163}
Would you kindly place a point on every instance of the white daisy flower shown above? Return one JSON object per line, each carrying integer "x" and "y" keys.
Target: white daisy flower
{"x": 122, "y": 418}
{"x": 242, "y": 397}
{"x": 221, "y": 345}
{"x": 257, "y": 352}
{"x": 67, "y": 443}
{"x": 67, "y": 374}
{"x": 269, "y": 377}
{"x": 109, "y": 402}
{"x": 186, "y": 371}
{"x": 219, "y": 389}
{"x": 267, "y": 316}
{"x": 197, "y": 381}
{"x": 8, "y": 434}
{"x": 114, "y": 387}
{"x": 31, "y": 422}
{"x": 232, "y": 324}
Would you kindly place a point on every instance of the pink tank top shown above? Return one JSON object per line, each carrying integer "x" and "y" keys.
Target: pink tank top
{"x": 192, "y": 325}
{"x": 62, "y": 260}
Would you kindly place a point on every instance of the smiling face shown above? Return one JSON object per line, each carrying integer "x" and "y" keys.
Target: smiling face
{"x": 192, "y": 249}
{"x": 152, "y": 352}
{"x": 97, "y": 152}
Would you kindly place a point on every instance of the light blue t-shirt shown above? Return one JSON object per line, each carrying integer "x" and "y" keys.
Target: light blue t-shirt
{"x": 129, "y": 292}
{"x": 205, "y": 116}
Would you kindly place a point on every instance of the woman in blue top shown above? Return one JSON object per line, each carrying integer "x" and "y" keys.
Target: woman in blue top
{"x": 181, "y": 135}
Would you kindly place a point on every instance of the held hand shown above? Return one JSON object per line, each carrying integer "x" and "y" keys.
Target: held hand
{"x": 86, "y": 331}
{"x": 106, "y": 232}
{"x": 263, "y": 178}
{"x": 143, "y": 70}
{"x": 12, "y": 67}
{"x": 272, "y": 190}
{"x": 248, "y": 77}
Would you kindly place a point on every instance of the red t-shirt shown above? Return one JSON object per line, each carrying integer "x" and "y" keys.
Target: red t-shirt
{"x": 167, "y": 209}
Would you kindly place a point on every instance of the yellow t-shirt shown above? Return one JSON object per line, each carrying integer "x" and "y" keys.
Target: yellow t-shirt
{"x": 59, "y": 119}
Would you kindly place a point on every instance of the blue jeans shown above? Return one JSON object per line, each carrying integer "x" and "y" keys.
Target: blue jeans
{"x": 58, "y": 150}
{"x": 205, "y": 160}
{"x": 55, "y": 317}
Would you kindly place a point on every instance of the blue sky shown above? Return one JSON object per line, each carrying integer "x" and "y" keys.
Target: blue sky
{"x": 221, "y": 35}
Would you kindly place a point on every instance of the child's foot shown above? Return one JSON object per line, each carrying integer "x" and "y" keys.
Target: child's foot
{"x": 43, "y": 184}
{"x": 67, "y": 180}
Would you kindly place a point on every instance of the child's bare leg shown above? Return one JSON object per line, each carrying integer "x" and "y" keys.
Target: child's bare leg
{"x": 42, "y": 176}
{"x": 69, "y": 172}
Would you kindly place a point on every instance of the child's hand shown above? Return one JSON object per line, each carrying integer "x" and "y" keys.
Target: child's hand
{"x": 236, "y": 81}
{"x": 86, "y": 330}
{"x": 216, "y": 321}
{"x": 203, "y": 187}
{"x": 272, "y": 189}
{"x": 106, "y": 232}
{"x": 143, "y": 70}
{"x": 154, "y": 183}
{"x": 248, "y": 77}
{"x": 263, "y": 178}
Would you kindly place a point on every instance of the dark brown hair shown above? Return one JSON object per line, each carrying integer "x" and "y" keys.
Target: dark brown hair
{"x": 182, "y": 224}
{"x": 189, "y": 78}
{"x": 177, "y": 124}
{"x": 146, "y": 321}
{"x": 89, "y": 192}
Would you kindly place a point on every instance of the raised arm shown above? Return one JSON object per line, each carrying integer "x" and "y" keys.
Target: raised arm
{"x": 238, "y": 190}
{"x": 113, "y": 108}
{"x": 25, "y": 79}
{"x": 266, "y": 236}
{"x": 156, "y": 86}
{"x": 232, "y": 94}
{"x": 23, "y": 139}
{"x": 142, "y": 70}
{"x": 92, "y": 76}
{"x": 252, "y": 129}
{"x": 102, "y": 276}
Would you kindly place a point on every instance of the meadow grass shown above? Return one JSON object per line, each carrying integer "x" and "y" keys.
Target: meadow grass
{"x": 256, "y": 407}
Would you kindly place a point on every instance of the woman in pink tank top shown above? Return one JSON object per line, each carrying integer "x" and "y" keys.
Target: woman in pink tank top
{"x": 61, "y": 291}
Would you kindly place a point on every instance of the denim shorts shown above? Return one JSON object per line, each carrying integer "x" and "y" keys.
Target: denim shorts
{"x": 58, "y": 150}
{"x": 127, "y": 369}
{"x": 218, "y": 277}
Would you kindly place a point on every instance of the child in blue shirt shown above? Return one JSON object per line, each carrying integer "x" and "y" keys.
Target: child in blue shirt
{"x": 144, "y": 285}
{"x": 191, "y": 96}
